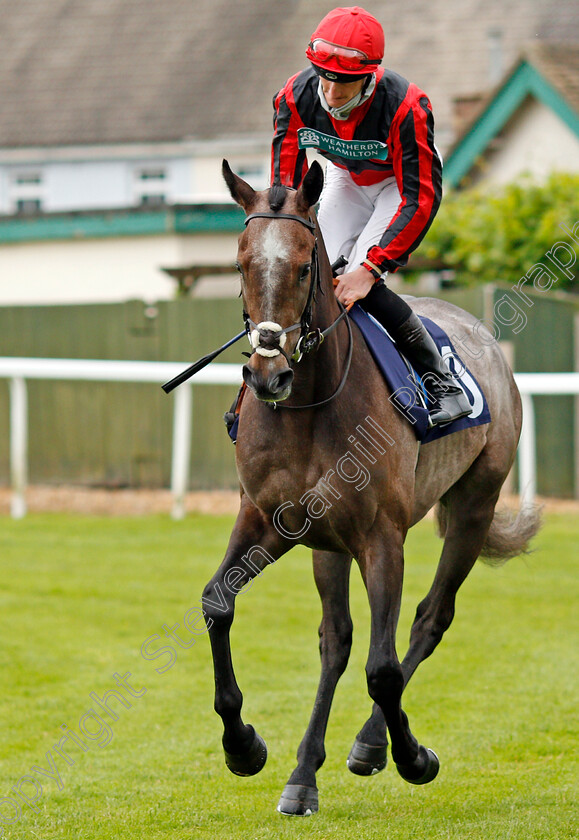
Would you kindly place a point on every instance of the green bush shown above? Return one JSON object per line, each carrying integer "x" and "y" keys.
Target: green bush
{"x": 497, "y": 236}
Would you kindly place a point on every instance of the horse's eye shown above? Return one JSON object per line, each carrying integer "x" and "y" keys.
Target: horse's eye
{"x": 304, "y": 272}
{"x": 240, "y": 270}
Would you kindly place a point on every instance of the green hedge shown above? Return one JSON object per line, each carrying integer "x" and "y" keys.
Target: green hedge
{"x": 498, "y": 236}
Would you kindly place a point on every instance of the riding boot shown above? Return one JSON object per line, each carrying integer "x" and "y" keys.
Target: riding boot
{"x": 448, "y": 401}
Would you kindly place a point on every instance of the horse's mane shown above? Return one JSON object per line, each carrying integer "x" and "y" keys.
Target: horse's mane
{"x": 277, "y": 196}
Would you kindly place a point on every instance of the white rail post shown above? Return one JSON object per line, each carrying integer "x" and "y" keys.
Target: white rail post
{"x": 182, "y": 427}
{"x": 18, "y": 446}
{"x": 527, "y": 456}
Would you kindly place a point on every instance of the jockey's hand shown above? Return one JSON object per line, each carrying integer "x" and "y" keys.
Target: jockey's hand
{"x": 353, "y": 286}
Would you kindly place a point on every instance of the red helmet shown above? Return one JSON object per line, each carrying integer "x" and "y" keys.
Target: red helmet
{"x": 348, "y": 42}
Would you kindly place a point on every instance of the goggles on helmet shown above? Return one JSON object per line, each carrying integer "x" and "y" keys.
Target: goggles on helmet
{"x": 340, "y": 78}
{"x": 347, "y": 58}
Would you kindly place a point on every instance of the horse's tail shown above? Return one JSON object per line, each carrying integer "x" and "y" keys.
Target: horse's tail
{"x": 509, "y": 535}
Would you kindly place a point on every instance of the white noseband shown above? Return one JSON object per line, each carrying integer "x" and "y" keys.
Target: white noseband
{"x": 255, "y": 338}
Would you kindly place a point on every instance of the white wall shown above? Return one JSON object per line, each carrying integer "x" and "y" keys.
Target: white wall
{"x": 537, "y": 141}
{"x": 208, "y": 181}
{"x": 98, "y": 184}
{"x": 79, "y": 186}
{"x": 117, "y": 269}
{"x": 107, "y": 178}
{"x": 107, "y": 270}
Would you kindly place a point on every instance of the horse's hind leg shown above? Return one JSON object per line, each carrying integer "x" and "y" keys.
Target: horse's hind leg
{"x": 332, "y": 575}
{"x": 382, "y": 568}
{"x": 468, "y": 520}
{"x": 469, "y": 512}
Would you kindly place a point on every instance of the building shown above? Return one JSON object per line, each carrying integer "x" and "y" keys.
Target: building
{"x": 528, "y": 125}
{"x": 116, "y": 113}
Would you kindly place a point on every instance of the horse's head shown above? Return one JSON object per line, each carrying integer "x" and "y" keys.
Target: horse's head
{"x": 277, "y": 285}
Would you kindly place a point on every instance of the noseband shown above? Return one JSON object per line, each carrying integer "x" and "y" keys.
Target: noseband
{"x": 268, "y": 338}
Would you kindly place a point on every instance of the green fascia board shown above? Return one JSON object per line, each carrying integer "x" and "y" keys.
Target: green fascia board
{"x": 121, "y": 223}
{"x": 209, "y": 220}
{"x": 525, "y": 80}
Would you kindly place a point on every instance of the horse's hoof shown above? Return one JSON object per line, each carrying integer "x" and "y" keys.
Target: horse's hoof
{"x": 424, "y": 769}
{"x": 298, "y": 801}
{"x": 366, "y": 760}
{"x": 250, "y": 762}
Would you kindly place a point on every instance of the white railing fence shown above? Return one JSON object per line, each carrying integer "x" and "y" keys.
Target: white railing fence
{"x": 530, "y": 385}
{"x": 19, "y": 370}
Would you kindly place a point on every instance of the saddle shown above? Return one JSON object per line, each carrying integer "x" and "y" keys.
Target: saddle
{"x": 409, "y": 395}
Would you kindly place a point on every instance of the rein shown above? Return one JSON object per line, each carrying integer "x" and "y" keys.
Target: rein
{"x": 308, "y": 341}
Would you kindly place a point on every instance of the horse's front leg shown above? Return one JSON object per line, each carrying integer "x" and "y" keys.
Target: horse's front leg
{"x": 254, "y": 543}
{"x": 332, "y": 576}
{"x": 382, "y": 567}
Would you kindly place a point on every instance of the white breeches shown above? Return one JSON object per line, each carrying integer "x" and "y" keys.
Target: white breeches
{"x": 353, "y": 218}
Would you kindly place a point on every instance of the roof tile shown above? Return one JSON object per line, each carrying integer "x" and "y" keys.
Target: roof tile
{"x": 76, "y": 72}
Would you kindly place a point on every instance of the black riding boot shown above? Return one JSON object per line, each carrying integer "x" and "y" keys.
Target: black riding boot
{"x": 447, "y": 400}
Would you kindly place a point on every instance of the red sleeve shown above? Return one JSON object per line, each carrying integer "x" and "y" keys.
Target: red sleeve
{"x": 418, "y": 171}
{"x": 288, "y": 162}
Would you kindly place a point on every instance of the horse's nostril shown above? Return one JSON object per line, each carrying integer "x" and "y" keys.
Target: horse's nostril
{"x": 281, "y": 381}
{"x": 268, "y": 387}
{"x": 248, "y": 377}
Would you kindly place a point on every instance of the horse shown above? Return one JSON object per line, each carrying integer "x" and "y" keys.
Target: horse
{"x": 314, "y": 395}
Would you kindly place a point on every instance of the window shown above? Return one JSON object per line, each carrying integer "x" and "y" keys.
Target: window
{"x": 29, "y": 179}
{"x": 26, "y": 192}
{"x": 151, "y": 186}
{"x": 256, "y": 174}
{"x": 28, "y": 206}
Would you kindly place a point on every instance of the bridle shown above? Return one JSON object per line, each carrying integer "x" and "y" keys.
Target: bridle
{"x": 262, "y": 334}
{"x": 268, "y": 338}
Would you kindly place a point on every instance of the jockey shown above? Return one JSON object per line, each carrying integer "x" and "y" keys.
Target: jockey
{"x": 383, "y": 180}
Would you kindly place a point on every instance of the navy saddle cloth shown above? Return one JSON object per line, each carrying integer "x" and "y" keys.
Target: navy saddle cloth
{"x": 408, "y": 395}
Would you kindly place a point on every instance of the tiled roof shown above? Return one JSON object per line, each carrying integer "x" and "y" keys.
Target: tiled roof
{"x": 559, "y": 64}
{"x": 545, "y": 71}
{"x": 75, "y": 72}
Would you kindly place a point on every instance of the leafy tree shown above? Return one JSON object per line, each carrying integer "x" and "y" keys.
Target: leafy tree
{"x": 497, "y": 236}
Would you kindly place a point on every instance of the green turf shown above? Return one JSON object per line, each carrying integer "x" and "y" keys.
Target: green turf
{"x": 80, "y": 595}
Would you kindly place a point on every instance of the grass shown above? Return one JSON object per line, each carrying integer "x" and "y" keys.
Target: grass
{"x": 80, "y": 595}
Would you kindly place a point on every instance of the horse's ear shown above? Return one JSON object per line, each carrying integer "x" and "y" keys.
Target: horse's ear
{"x": 311, "y": 186}
{"x": 240, "y": 191}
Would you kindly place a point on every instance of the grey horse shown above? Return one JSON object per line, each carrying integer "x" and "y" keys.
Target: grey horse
{"x": 315, "y": 410}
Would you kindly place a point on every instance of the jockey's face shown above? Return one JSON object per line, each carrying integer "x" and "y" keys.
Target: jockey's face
{"x": 338, "y": 93}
